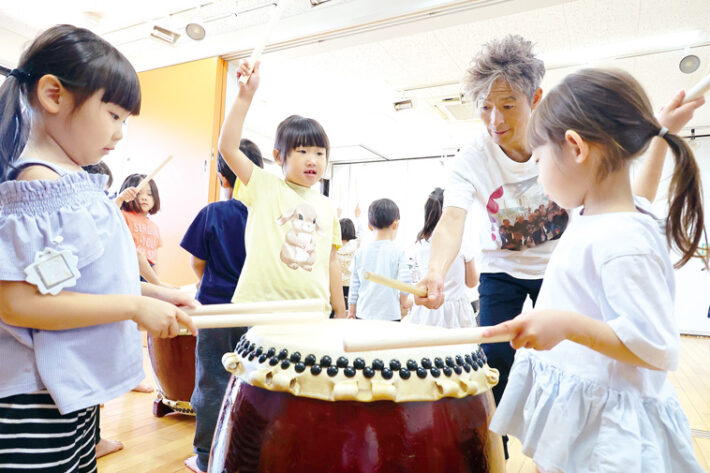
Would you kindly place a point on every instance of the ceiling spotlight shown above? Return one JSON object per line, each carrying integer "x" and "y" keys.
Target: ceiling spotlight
{"x": 403, "y": 105}
{"x": 689, "y": 64}
{"x": 165, "y": 35}
{"x": 195, "y": 30}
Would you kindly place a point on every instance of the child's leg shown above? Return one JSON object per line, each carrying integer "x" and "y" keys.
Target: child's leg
{"x": 104, "y": 446}
{"x": 210, "y": 384}
{"x": 58, "y": 442}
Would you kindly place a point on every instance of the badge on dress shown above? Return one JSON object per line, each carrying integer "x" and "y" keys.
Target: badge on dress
{"x": 53, "y": 270}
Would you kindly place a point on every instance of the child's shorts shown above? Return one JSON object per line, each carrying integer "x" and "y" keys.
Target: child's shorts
{"x": 33, "y": 432}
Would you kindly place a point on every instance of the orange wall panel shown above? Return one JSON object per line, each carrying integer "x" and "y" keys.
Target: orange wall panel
{"x": 180, "y": 115}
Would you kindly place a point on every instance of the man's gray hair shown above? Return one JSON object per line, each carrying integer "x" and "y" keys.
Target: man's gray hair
{"x": 511, "y": 59}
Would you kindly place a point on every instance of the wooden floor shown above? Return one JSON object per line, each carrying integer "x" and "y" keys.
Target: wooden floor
{"x": 161, "y": 444}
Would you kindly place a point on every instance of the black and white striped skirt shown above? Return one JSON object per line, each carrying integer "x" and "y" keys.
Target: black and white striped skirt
{"x": 35, "y": 437}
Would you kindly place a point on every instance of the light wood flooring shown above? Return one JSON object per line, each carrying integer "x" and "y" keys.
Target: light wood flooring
{"x": 161, "y": 444}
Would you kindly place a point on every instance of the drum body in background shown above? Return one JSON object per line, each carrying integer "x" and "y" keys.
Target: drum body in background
{"x": 173, "y": 363}
{"x": 416, "y": 410}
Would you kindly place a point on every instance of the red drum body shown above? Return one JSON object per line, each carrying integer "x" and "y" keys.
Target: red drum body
{"x": 298, "y": 403}
{"x": 173, "y": 363}
{"x": 266, "y": 431}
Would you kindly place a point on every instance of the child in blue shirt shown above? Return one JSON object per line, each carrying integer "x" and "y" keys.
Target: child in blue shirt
{"x": 369, "y": 300}
{"x": 215, "y": 240}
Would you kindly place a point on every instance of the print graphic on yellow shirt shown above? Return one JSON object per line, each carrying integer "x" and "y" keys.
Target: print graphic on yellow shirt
{"x": 299, "y": 248}
{"x": 289, "y": 236}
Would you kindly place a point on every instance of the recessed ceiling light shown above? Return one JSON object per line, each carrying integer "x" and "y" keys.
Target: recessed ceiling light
{"x": 689, "y": 64}
{"x": 195, "y": 30}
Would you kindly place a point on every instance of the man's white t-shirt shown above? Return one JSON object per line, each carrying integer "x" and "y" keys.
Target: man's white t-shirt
{"x": 518, "y": 226}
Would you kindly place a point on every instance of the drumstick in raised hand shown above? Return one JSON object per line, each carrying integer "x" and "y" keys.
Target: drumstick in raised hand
{"x": 395, "y": 284}
{"x": 300, "y": 305}
{"x": 150, "y": 176}
{"x": 259, "y": 48}
{"x": 700, "y": 89}
{"x": 454, "y": 336}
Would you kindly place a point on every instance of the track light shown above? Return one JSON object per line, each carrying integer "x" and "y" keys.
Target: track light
{"x": 165, "y": 35}
{"x": 403, "y": 105}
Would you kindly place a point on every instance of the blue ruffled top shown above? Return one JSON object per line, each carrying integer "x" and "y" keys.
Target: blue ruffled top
{"x": 79, "y": 367}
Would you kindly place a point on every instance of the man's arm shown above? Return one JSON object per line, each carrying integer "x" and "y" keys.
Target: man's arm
{"x": 445, "y": 245}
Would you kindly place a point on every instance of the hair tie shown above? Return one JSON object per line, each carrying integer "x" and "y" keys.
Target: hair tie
{"x": 20, "y": 75}
{"x": 662, "y": 132}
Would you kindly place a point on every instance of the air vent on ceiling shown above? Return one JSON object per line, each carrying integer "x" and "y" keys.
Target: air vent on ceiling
{"x": 453, "y": 108}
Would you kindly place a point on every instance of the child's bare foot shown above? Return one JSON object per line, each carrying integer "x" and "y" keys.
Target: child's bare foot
{"x": 105, "y": 446}
{"x": 191, "y": 463}
{"x": 143, "y": 388}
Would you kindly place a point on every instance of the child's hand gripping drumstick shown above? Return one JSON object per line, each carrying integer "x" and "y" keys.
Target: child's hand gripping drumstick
{"x": 150, "y": 176}
{"x": 259, "y": 48}
{"x": 395, "y": 284}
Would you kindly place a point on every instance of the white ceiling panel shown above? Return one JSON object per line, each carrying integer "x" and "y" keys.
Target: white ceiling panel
{"x": 590, "y": 22}
{"x": 657, "y": 16}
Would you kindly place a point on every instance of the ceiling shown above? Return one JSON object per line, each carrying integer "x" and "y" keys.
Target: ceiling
{"x": 347, "y": 61}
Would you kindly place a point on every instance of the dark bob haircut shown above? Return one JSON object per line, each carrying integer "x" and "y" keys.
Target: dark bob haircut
{"x": 347, "y": 229}
{"x": 298, "y": 131}
{"x": 132, "y": 181}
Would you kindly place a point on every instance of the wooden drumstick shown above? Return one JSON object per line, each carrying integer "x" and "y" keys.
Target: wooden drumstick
{"x": 300, "y": 305}
{"x": 454, "y": 336}
{"x": 700, "y": 89}
{"x": 150, "y": 176}
{"x": 251, "y": 319}
{"x": 394, "y": 284}
{"x": 259, "y": 48}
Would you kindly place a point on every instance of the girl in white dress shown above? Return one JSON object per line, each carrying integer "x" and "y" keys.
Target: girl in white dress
{"x": 457, "y": 310}
{"x": 588, "y": 391}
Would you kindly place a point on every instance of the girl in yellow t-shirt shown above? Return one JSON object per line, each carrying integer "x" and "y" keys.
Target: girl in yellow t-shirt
{"x": 292, "y": 232}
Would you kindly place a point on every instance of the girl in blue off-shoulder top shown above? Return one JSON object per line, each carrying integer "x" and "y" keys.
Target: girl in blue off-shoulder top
{"x": 70, "y": 300}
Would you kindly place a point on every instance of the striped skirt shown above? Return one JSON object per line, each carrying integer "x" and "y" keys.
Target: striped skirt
{"x": 35, "y": 437}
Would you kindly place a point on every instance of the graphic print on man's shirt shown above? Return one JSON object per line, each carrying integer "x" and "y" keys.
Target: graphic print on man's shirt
{"x": 299, "y": 247}
{"x": 523, "y": 217}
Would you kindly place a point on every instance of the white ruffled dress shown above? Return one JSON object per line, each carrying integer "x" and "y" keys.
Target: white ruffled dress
{"x": 456, "y": 311}
{"x": 578, "y": 411}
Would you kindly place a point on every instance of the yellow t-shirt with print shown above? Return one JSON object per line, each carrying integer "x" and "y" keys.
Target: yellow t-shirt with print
{"x": 289, "y": 235}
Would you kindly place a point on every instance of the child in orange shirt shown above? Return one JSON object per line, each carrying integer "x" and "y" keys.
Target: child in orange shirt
{"x": 146, "y": 233}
